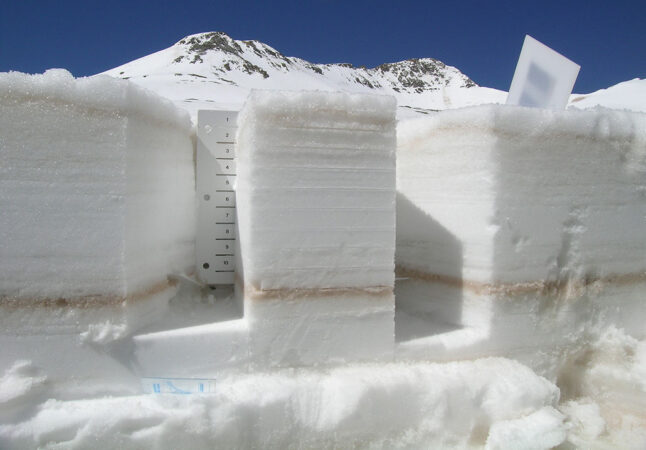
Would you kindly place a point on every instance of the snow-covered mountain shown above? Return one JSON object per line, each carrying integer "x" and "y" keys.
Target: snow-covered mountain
{"x": 212, "y": 70}
{"x": 629, "y": 95}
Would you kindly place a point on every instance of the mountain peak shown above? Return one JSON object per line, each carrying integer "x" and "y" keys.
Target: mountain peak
{"x": 423, "y": 74}
{"x": 213, "y": 67}
{"x": 197, "y": 45}
{"x": 414, "y": 75}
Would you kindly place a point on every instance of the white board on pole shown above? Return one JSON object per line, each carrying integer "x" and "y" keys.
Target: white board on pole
{"x": 543, "y": 78}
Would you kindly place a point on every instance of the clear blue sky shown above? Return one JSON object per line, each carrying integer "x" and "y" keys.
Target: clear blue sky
{"x": 481, "y": 38}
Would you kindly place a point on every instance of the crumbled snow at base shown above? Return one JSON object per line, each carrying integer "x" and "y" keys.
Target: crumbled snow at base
{"x": 21, "y": 389}
{"x": 392, "y": 405}
{"x": 606, "y": 393}
{"x": 540, "y": 430}
{"x": 21, "y": 380}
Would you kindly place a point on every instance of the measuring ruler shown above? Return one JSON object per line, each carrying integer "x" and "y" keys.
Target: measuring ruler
{"x": 215, "y": 181}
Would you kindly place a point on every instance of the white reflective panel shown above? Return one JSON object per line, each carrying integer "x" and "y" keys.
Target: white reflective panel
{"x": 543, "y": 77}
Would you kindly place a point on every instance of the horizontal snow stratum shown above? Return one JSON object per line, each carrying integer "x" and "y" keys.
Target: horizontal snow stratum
{"x": 97, "y": 195}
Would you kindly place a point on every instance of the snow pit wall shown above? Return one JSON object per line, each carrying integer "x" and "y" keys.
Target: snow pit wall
{"x": 315, "y": 198}
{"x": 97, "y": 195}
{"x": 524, "y": 224}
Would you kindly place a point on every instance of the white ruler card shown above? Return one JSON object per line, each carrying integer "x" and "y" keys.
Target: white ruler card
{"x": 215, "y": 180}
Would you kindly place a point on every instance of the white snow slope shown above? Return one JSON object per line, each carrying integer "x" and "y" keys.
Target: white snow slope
{"x": 630, "y": 95}
{"x": 214, "y": 71}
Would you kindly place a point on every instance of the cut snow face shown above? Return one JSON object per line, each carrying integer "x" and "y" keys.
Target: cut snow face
{"x": 97, "y": 200}
{"x": 519, "y": 228}
{"x": 316, "y": 225}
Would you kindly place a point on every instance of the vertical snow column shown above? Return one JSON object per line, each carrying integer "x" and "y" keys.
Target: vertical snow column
{"x": 97, "y": 200}
{"x": 316, "y": 217}
{"x": 521, "y": 227}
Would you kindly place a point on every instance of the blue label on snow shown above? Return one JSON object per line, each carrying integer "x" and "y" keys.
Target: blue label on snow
{"x": 178, "y": 386}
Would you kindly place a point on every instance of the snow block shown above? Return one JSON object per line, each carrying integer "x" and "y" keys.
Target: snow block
{"x": 97, "y": 200}
{"x": 315, "y": 200}
{"x": 518, "y": 226}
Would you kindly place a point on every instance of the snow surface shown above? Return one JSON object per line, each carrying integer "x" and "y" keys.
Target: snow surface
{"x": 629, "y": 95}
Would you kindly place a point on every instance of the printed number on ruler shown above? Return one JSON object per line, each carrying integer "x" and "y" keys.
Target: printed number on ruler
{"x": 216, "y": 172}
